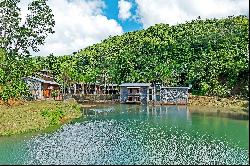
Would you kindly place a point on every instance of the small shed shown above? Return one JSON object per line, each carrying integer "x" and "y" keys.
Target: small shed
{"x": 40, "y": 88}
{"x": 134, "y": 92}
{"x": 174, "y": 95}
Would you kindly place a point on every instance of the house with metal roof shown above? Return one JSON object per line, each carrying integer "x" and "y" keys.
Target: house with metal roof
{"x": 134, "y": 92}
{"x": 42, "y": 85}
{"x": 145, "y": 92}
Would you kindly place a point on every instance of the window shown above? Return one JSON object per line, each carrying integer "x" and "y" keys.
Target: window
{"x": 137, "y": 99}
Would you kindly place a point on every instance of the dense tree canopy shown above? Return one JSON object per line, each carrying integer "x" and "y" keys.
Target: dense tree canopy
{"x": 210, "y": 54}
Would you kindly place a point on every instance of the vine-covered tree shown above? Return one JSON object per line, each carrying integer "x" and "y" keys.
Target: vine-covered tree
{"x": 17, "y": 39}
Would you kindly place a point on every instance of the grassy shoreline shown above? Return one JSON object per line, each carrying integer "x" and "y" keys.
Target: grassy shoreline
{"x": 217, "y": 104}
{"x": 40, "y": 115}
{"x": 28, "y": 116}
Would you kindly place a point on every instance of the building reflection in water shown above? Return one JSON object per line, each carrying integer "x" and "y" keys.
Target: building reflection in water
{"x": 156, "y": 113}
{"x": 168, "y": 112}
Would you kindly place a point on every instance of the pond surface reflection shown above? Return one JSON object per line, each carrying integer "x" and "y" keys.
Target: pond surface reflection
{"x": 136, "y": 134}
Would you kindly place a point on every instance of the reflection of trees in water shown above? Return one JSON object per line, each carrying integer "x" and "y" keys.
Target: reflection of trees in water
{"x": 164, "y": 112}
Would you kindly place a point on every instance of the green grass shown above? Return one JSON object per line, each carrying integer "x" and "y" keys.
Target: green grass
{"x": 36, "y": 115}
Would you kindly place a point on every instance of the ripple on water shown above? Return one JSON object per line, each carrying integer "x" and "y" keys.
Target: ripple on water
{"x": 130, "y": 142}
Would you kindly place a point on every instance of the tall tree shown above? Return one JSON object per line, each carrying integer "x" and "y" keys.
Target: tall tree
{"x": 17, "y": 39}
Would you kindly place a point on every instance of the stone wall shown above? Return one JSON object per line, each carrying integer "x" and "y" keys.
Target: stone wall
{"x": 174, "y": 95}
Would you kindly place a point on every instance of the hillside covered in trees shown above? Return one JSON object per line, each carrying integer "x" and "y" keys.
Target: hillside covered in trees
{"x": 210, "y": 54}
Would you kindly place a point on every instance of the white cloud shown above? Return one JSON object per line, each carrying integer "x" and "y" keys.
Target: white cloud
{"x": 124, "y": 9}
{"x": 78, "y": 24}
{"x": 179, "y": 11}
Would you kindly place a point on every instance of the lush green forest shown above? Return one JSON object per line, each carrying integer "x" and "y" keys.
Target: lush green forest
{"x": 210, "y": 54}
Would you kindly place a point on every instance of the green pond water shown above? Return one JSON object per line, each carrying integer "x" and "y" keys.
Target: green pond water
{"x": 134, "y": 134}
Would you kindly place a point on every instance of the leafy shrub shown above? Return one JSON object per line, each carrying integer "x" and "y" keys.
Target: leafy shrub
{"x": 54, "y": 93}
{"x": 53, "y": 115}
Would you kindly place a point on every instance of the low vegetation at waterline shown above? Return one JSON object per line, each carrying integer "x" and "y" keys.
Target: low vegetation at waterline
{"x": 215, "y": 101}
{"x": 205, "y": 104}
{"x": 39, "y": 115}
{"x": 53, "y": 115}
{"x": 36, "y": 115}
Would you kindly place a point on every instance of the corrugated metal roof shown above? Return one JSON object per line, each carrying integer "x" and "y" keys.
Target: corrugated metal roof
{"x": 135, "y": 84}
{"x": 43, "y": 81}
